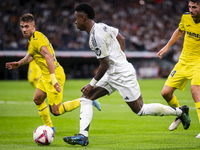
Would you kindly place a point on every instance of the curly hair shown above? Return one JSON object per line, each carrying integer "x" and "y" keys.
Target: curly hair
{"x": 87, "y": 9}
{"x": 27, "y": 18}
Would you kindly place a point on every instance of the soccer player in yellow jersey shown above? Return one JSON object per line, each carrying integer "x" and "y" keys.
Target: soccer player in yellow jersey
{"x": 51, "y": 83}
{"x": 34, "y": 73}
{"x": 188, "y": 66}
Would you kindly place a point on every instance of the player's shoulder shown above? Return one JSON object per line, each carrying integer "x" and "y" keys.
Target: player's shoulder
{"x": 96, "y": 30}
{"x": 37, "y": 34}
{"x": 187, "y": 14}
{"x": 102, "y": 24}
{"x": 97, "y": 27}
{"x": 187, "y": 17}
{"x": 100, "y": 28}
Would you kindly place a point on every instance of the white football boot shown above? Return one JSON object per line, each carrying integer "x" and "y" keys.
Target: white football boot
{"x": 175, "y": 124}
{"x": 184, "y": 118}
{"x": 198, "y": 136}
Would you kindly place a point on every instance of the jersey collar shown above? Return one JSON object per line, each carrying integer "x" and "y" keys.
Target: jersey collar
{"x": 32, "y": 37}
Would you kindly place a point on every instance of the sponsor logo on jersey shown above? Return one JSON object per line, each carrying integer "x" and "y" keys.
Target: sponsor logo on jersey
{"x": 193, "y": 35}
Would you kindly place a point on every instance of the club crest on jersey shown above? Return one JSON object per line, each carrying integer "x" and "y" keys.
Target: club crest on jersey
{"x": 173, "y": 73}
{"x": 97, "y": 51}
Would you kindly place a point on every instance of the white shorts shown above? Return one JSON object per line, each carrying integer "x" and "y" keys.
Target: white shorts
{"x": 127, "y": 85}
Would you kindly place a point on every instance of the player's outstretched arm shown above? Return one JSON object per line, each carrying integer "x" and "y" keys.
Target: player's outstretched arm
{"x": 50, "y": 63}
{"x": 176, "y": 35}
{"x": 14, "y": 65}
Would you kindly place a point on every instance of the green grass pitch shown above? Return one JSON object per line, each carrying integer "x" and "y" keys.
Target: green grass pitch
{"x": 115, "y": 127}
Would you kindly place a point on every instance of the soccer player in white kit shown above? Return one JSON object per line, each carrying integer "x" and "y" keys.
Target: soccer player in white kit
{"x": 114, "y": 73}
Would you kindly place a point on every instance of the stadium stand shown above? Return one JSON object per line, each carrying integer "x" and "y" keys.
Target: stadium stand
{"x": 146, "y": 24}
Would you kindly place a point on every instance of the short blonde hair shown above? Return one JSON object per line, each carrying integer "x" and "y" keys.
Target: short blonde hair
{"x": 27, "y": 18}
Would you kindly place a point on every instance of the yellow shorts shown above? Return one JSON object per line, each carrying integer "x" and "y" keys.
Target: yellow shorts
{"x": 180, "y": 75}
{"x": 46, "y": 86}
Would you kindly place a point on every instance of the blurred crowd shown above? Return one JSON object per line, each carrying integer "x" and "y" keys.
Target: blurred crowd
{"x": 146, "y": 24}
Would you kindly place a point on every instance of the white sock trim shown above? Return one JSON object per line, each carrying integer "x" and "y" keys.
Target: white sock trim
{"x": 141, "y": 110}
{"x": 85, "y": 99}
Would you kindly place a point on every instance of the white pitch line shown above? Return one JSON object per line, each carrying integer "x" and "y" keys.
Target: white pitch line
{"x": 16, "y": 102}
{"x": 2, "y": 102}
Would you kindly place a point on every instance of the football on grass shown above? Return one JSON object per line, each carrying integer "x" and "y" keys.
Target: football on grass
{"x": 43, "y": 135}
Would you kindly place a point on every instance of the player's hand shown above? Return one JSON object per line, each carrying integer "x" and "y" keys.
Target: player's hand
{"x": 12, "y": 65}
{"x": 57, "y": 87}
{"x": 161, "y": 52}
{"x": 86, "y": 89}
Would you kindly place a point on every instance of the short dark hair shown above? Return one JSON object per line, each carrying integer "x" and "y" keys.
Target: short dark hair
{"x": 27, "y": 18}
{"x": 87, "y": 9}
{"x": 195, "y": 1}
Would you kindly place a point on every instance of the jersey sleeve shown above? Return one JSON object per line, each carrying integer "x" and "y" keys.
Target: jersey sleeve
{"x": 101, "y": 38}
{"x": 100, "y": 49}
{"x": 114, "y": 31}
{"x": 181, "y": 24}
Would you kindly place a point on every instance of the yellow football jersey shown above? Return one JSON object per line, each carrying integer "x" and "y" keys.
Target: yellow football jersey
{"x": 36, "y": 41}
{"x": 190, "y": 54}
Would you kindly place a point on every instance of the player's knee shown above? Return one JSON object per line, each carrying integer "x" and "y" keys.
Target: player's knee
{"x": 54, "y": 112}
{"x": 36, "y": 101}
{"x": 165, "y": 94}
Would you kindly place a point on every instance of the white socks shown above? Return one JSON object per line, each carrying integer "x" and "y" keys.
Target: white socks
{"x": 156, "y": 109}
{"x": 153, "y": 109}
{"x": 86, "y": 113}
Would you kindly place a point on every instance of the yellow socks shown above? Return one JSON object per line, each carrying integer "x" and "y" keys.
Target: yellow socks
{"x": 43, "y": 111}
{"x": 173, "y": 102}
{"x": 69, "y": 106}
{"x": 198, "y": 109}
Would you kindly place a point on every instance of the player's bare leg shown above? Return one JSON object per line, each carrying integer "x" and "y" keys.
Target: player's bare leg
{"x": 167, "y": 93}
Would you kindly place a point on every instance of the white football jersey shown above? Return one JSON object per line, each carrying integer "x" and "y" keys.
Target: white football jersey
{"x": 104, "y": 43}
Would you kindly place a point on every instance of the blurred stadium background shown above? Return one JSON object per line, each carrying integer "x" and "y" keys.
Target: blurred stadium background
{"x": 146, "y": 24}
